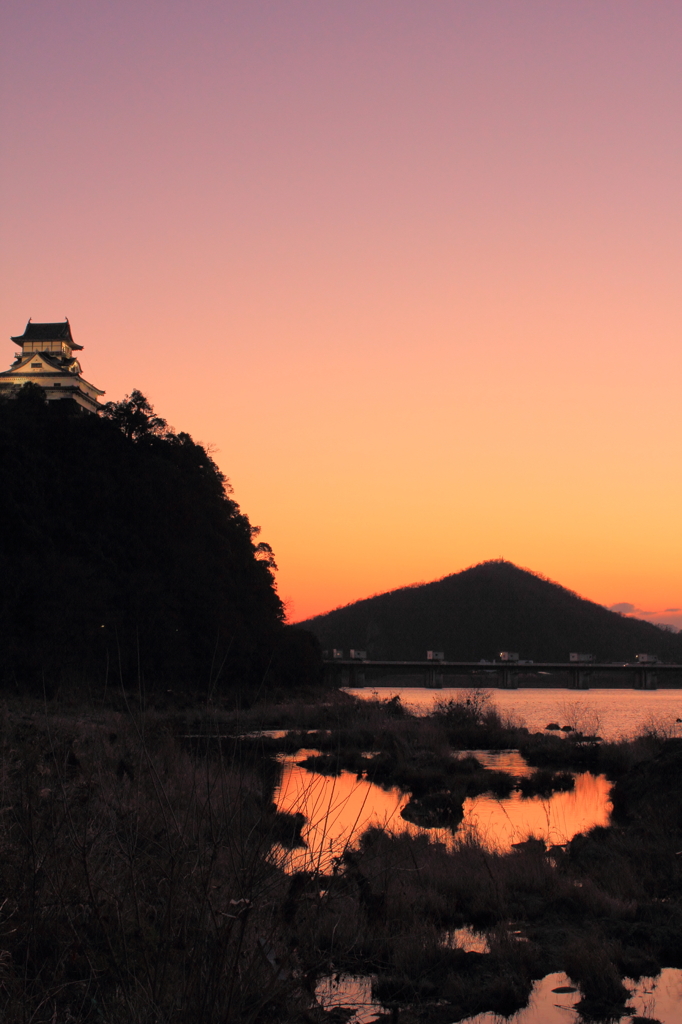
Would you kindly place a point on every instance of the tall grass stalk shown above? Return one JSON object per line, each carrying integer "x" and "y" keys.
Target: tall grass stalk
{"x": 141, "y": 883}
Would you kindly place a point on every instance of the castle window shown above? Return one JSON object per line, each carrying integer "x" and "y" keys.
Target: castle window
{"x": 36, "y": 366}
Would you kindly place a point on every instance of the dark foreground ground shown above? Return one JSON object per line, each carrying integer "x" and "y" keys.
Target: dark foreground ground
{"x": 141, "y": 867}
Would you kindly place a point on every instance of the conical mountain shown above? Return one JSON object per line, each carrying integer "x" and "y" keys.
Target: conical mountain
{"x": 491, "y": 607}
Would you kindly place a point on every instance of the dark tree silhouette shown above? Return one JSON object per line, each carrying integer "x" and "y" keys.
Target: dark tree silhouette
{"x": 135, "y": 417}
{"x": 123, "y": 551}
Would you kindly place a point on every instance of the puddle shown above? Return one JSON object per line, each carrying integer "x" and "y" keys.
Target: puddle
{"x": 467, "y": 939}
{"x": 658, "y": 998}
{"x": 502, "y": 822}
{"x": 510, "y": 761}
{"x": 339, "y": 808}
{"x": 349, "y": 990}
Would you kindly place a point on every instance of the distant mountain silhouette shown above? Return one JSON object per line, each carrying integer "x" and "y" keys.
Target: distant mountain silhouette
{"x": 491, "y": 607}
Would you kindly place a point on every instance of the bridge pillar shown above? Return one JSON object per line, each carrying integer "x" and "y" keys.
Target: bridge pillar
{"x": 646, "y": 679}
{"x": 434, "y": 678}
{"x": 580, "y": 678}
{"x": 508, "y": 678}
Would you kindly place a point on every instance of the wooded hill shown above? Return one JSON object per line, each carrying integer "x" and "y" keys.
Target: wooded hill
{"x": 491, "y": 607}
{"x": 124, "y": 556}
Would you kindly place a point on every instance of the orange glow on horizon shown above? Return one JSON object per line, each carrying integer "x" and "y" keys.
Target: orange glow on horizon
{"x": 412, "y": 270}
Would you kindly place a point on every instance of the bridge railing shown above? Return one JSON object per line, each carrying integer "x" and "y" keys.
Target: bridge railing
{"x": 641, "y": 675}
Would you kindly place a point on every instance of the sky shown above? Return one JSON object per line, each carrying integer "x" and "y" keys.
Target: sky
{"x": 412, "y": 269}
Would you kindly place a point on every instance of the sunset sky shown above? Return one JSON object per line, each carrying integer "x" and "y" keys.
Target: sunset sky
{"x": 412, "y": 268}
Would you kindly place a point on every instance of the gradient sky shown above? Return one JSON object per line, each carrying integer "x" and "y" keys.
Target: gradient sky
{"x": 413, "y": 268}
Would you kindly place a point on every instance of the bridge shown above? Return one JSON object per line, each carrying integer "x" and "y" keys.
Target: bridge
{"x": 640, "y": 676}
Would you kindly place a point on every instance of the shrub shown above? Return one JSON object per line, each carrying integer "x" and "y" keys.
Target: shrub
{"x": 139, "y": 883}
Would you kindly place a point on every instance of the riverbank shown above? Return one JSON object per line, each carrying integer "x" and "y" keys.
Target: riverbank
{"x": 612, "y": 713}
{"x": 147, "y": 865}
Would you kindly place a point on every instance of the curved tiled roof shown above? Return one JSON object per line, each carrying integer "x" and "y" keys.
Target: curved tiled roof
{"x": 47, "y": 332}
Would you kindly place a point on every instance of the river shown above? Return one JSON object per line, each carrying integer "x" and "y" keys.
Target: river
{"x": 339, "y": 808}
{"x": 611, "y": 713}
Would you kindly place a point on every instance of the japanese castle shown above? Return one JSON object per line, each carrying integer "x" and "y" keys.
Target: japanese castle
{"x": 47, "y": 359}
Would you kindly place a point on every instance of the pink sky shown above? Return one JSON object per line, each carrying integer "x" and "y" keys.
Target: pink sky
{"x": 413, "y": 268}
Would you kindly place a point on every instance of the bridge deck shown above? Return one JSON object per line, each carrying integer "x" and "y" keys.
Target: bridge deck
{"x": 517, "y": 666}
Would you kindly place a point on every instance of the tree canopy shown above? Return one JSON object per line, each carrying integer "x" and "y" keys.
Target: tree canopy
{"x": 123, "y": 553}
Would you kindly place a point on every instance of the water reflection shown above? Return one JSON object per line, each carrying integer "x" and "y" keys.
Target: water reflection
{"x": 509, "y": 761}
{"x": 501, "y": 822}
{"x": 610, "y": 712}
{"x": 339, "y": 808}
{"x": 656, "y": 998}
{"x": 466, "y": 938}
{"x": 349, "y": 990}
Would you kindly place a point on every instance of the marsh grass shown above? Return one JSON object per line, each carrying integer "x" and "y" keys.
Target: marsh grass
{"x": 139, "y": 882}
{"x": 146, "y": 876}
{"x": 614, "y": 892}
{"x": 606, "y": 906}
{"x": 590, "y": 962}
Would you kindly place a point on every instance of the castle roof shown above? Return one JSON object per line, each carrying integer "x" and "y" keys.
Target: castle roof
{"x": 47, "y": 332}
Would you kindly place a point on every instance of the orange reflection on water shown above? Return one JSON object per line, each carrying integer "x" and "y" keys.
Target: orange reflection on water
{"x": 556, "y": 819}
{"x": 338, "y": 809}
{"x": 510, "y": 761}
{"x": 351, "y": 991}
{"x": 655, "y": 999}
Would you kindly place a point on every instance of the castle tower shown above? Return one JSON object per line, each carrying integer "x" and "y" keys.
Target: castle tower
{"x": 47, "y": 359}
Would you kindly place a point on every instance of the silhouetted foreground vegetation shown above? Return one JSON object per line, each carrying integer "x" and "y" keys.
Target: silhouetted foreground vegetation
{"x": 608, "y": 905}
{"x": 138, "y": 882}
{"x": 143, "y": 873}
{"x": 489, "y": 608}
{"x": 123, "y": 556}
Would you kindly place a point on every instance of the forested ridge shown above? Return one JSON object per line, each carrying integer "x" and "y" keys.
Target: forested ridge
{"x": 124, "y": 556}
{"x": 488, "y": 608}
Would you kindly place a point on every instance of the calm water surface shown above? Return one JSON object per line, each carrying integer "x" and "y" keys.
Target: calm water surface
{"x": 351, "y": 991}
{"x": 658, "y": 998}
{"x": 610, "y": 713}
{"x": 339, "y": 808}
